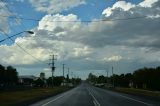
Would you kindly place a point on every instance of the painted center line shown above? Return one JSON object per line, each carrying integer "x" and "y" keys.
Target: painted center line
{"x": 96, "y": 103}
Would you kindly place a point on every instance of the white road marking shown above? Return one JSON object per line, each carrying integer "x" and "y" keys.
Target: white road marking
{"x": 59, "y": 97}
{"x": 96, "y": 103}
{"x": 53, "y": 100}
{"x": 136, "y": 100}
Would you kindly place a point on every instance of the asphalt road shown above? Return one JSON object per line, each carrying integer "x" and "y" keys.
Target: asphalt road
{"x": 87, "y": 95}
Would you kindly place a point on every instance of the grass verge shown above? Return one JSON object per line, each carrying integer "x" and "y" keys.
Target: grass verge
{"x": 140, "y": 92}
{"x": 26, "y": 97}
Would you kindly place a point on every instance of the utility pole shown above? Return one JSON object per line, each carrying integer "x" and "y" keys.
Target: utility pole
{"x": 63, "y": 74}
{"x": 107, "y": 77}
{"x": 107, "y": 73}
{"x": 68, "y": 72}
{"x": 63, "y": 70}
{"x": 113, "y": 76}
{"x": 67, "y": 76}
{"x": 72, "y": 74}
{"x": 52, "y": 66}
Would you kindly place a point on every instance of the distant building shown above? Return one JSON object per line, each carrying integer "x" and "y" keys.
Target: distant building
{"x": 65, "y": 83}
{"x": 27, "y": 79}
{"x": 42, "y": 76}
{"x": 131, "y": 85}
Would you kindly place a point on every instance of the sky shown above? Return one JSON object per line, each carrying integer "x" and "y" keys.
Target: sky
{"x": 88, "y": 36}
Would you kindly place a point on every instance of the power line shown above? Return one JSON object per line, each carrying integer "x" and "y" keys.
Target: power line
{"x": 100, "y": 20}
{"x": 24, "y": 27}
{"x": 85, "y": 21}
{"x": 17, "y": 17}
{"x": 10, "y": 11}
{"x": 21, "y": 47}
{"x": 18, "y": 33}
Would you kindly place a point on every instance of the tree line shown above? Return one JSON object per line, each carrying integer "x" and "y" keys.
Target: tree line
{"x": 8, "y": 76}
{"x": 144, "y": 78}
{"x": 57, "y": 81}
{"x": 9, "y": 79}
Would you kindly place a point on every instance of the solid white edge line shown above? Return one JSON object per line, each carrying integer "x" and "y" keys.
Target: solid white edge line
{"x": 52, "y": 100}
{"x": 132, "y": 99}
{"x": 58, "y": 97}
{"x": 136, "y": 100}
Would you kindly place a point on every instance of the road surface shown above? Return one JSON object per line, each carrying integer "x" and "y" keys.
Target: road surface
{"x": 87, "y": 95}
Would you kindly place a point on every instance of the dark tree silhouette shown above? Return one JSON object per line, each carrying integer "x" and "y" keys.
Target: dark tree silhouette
{"x": 144, "y": 78}
{"x": 8, "y": 76}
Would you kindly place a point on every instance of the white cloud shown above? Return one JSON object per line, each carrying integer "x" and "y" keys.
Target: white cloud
{"x": 59, "y": 23}
{"x": 114, "y": 58}
{"x": 4, "y": 23}
{"x": 147, "y": 3}
{"x": 55, "y": 6}
{"x": 15, "y": 56}
{"x": 84, "y": 46}
{"x": 20, "y": 0}
{"x": 120, "y": 4}
{"x": 80, "y": 52}
{"x": 122, "y": 9}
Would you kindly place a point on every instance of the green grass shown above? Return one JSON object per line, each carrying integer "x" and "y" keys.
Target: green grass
{"x": 17, "y": 97}
{"x": 139, "y": 92}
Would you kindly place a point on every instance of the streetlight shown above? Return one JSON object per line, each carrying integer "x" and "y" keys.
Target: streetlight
{"x": 30, "y": 32}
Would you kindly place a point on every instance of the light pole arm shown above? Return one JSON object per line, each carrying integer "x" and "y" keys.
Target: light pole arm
{"x": 30, "y": 32}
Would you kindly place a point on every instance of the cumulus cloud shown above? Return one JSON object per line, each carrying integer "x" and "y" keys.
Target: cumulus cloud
{"x": 59, "y": 23}
{"x": 15, "y": 56}
{"x": 78, "y": 52}
{"x": 136, "y": 32}
{"x": 113, "y": 58}
{"x": 4, "y": 23}
{"x": 118, "y": 5}
{"x": 122, "y": 9}
{"x": 55, "y": 6}
{"x": 88, "y": 46}
{"x": 147, "y": 3}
